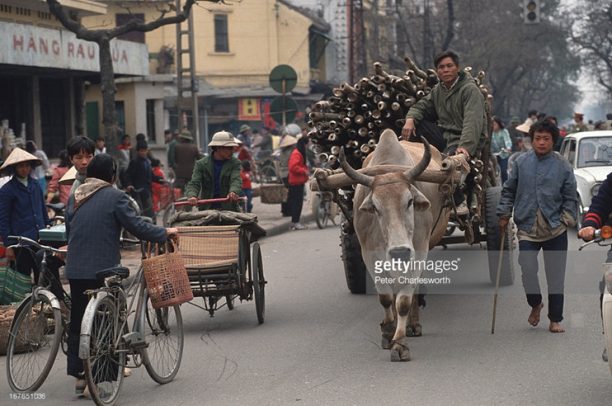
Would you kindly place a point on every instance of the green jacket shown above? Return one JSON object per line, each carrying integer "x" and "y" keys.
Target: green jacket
{"x": 201, "y": 184}
{"x": 460, "y": 112}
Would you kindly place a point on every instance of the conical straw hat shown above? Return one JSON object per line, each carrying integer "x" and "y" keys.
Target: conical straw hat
{"x": 19, "y": 155}
{"x": 69, "y": 176}
{"x": 287, "y": 141}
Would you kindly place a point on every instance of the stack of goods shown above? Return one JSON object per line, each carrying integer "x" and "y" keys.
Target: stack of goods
{"x": 355, "y": 116}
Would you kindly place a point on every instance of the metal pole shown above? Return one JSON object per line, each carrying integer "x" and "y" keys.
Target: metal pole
{"x": 499, "y": 265}
{"x": 194, "y": 87}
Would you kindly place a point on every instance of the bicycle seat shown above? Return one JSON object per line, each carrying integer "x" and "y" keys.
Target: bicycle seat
{"x": 119, "y": 271}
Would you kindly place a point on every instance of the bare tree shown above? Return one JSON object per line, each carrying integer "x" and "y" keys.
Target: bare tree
{"x": 592, "y": 34}
{"x": 167, "y": 15}
{"x": 525, "y": 64}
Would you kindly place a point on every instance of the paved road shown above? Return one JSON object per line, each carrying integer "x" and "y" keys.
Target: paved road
{"x": 320, "y": 345}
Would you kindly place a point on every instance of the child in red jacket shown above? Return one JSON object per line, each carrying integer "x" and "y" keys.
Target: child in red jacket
{"x": 247, "y": 187}
{"x": 157, "y": 186}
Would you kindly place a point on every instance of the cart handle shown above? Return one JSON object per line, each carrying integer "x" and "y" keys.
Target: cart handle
{"x": 207, "y": 201}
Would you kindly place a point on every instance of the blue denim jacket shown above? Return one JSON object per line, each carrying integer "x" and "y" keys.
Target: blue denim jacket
{"x": 546, "y": 182}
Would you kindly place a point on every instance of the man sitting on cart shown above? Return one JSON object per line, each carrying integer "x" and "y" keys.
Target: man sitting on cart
{"x": 217, "y": 175}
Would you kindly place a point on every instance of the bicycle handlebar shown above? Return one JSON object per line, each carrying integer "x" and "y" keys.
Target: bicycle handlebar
{"x": 206, "y": 201}
{"x": 21, "y": 240}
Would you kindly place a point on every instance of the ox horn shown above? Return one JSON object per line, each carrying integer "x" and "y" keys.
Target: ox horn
{"x": 352, "y": 173}
{"x": 414, "y": 172}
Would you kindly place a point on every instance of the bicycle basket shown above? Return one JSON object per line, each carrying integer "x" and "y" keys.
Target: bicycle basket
{"x": 166, "y": 277}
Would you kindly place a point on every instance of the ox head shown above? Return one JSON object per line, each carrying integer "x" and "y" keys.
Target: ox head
{"x": 394, "y": 202}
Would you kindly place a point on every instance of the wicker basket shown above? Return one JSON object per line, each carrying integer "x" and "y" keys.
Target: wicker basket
{"x": 167, "y": 280}
{"x": 273, "y": 194}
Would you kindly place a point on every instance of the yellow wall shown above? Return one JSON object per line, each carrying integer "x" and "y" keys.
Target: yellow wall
{"x": 262, "y": 34}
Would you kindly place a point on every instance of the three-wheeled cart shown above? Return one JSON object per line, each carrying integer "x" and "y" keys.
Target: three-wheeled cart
{"x": 223, "y": 261}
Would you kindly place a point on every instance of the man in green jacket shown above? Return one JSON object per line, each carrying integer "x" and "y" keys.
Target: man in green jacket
{"x": 457, "y": 105}
{"x": 217, "y": 175}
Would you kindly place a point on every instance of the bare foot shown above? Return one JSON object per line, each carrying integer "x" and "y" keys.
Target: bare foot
{"x": 534, "y": 316}
{"x": 555, "y": 328}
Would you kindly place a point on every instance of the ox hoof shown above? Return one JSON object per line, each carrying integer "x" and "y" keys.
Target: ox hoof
{"x": 399, "y": 350}
{"x": 385, "y": 343}
{"x": 414, "y": 331}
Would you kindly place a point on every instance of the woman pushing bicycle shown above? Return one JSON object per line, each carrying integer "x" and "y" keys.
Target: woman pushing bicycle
{"x": 98, "y": 213}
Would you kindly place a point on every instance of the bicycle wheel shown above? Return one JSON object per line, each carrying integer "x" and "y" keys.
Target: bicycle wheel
{"x": 163, "y": 332}
{"x": 168, "y": 214}
{"x": 34, "y": 339}
{"x": 105, "y": 362}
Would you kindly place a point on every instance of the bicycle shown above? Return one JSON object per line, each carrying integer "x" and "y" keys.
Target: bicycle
{"x": 265, "y": 171}
{"x": 324, "y": 209}
{"x": 155, "y": 339}
{"x": 38, "y": 328}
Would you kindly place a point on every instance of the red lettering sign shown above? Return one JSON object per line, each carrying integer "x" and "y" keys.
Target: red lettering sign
{"x": 70, "y": 49}
{"x": 18, "y": 42}
{"x": 43, "y": 46}
{"x": 55, "y": 47}
{"x": 32, "y": 44}
{"x": 80, "y": 51}
{"x": 91, "y": 52}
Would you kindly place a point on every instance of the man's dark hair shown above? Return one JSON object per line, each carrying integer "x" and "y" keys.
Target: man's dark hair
{"x": 167, "y": 131}
{"x": 544, "y": 126}
{"x": 446, "y": 54}
{"x": 101, "y": 138}
{"x": 140, "y": 145}
{"x": 140, "y": 137}
{"x": 31, "y": 146}
{"x": 541, "y": 116}
{"x": 79, "y": 144}
{"x": 155, "y": 162}
{"x": 102, "y": 167}
{"x": 532, "y": 113}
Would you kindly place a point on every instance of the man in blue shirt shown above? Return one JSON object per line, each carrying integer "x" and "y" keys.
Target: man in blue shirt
{"x": 541, "y": 190}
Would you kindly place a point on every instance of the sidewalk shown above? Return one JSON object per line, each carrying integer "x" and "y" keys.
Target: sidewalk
{"x": 268, "y": 216}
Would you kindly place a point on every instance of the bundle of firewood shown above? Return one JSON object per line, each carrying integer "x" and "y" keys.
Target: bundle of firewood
{"x": 354, "y": 116}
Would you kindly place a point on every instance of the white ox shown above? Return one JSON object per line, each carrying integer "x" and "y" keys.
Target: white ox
{"x": 394, "y": 218}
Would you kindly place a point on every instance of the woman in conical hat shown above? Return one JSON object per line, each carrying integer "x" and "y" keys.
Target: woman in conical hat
{"x": 22, "y": 207}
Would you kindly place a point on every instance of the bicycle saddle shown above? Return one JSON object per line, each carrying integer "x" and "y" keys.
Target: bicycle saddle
{"x": 119, "y": 271}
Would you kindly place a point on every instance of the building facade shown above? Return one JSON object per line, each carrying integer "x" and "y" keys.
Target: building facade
{"x": 236, "y": 46}
{"x": 44, "y": 70}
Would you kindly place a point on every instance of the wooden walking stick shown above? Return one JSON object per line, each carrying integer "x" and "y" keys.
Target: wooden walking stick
{"x": 499, "y": 265}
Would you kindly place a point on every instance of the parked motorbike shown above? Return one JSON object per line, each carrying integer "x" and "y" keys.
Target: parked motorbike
{"x": 603, "y": 237}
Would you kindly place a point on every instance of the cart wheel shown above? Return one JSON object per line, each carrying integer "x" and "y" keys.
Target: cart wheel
{"x": 230, "y": 302}
{"x": 259, "y": 283}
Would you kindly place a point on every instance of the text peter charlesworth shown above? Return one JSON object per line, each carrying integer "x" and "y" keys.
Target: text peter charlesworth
{"x": 414, "y": 268}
